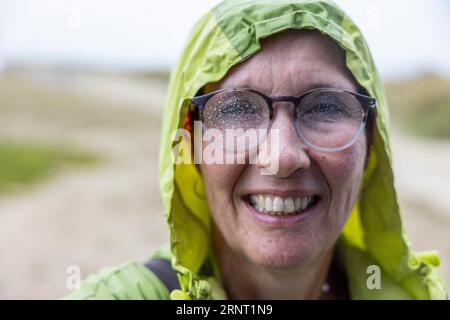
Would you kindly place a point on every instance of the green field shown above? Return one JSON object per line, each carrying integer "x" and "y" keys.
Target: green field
{"x": 45, "y": 125}
{"x": 421, "y": 106}
{"x": 23, "y": 163}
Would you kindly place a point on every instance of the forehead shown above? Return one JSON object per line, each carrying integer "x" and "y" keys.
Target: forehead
{"x": 291, "y": 62}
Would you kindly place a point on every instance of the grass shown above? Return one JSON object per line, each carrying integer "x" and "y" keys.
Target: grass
{"x": 422, "y": 105}
{"x": 25, "y": 163}
{"x": 34, "y": 112}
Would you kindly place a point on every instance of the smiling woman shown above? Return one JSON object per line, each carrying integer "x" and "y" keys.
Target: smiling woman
{"x": 315, "y": 227}
{"x": 256, "y": 241}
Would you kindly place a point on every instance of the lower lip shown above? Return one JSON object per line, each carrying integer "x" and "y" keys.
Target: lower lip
{"x": 281, "y": 220}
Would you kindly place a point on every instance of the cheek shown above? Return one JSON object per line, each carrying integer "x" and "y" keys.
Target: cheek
{"x": 343, "y": 172}
{"x": 220, "y": 181}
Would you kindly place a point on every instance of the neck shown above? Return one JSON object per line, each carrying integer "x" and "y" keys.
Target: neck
{"x": 244, "y": 280}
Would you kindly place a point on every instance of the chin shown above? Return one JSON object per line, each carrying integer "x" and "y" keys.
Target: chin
{"x": 284, "y": 255}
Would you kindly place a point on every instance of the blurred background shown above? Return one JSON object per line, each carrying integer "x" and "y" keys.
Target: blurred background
{"x": 82, "y": 87}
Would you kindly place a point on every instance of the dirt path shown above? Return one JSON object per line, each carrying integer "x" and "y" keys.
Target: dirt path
{"x": 422, "y": 171}
{"x": 94, "y": 217}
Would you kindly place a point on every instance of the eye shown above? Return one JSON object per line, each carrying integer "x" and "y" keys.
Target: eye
{"x": 239, "y": 107}
{"x": 325, "y": 112}
{"x": 236, "y": 110}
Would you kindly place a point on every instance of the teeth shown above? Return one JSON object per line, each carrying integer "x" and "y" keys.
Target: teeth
{"x": 267, "y": 204}
{"x": 253, "y": 200}
{"x": 297, "y": 204}
{"x": 304, "y": 202}
{"x": 278, "y": 206}
{"x": 261, "y": 203}
{"x": 288, "y": 205}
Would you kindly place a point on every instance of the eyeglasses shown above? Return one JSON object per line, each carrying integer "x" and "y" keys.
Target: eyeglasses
{"x": 326, "y": 119}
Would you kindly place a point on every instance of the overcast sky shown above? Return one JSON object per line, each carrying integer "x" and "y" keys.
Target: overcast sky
{"x": 406, "y": 36}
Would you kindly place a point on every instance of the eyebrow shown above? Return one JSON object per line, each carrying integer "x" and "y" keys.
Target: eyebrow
{"x": 311, "y": 86}
{"x": 317, "y": 85}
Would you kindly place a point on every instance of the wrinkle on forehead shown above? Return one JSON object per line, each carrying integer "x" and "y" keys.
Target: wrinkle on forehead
{"x": 290, "y": 63}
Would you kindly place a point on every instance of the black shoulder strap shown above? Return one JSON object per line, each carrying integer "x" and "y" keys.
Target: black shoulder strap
{"x": 162, "y": 268}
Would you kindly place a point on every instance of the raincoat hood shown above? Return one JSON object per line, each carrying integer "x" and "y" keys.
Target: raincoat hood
{"x": 373, "y": 234}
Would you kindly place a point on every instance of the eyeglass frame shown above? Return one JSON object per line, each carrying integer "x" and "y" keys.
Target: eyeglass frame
{"x": 368, "y": 104}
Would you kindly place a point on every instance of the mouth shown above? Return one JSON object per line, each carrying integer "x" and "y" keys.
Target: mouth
{"x": 281, "y": 211}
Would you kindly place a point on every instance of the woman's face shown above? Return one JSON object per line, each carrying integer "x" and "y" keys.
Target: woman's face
{"x": 289, "y": 63}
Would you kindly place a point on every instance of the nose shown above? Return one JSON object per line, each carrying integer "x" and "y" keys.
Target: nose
{"x": 286, "y": 150}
